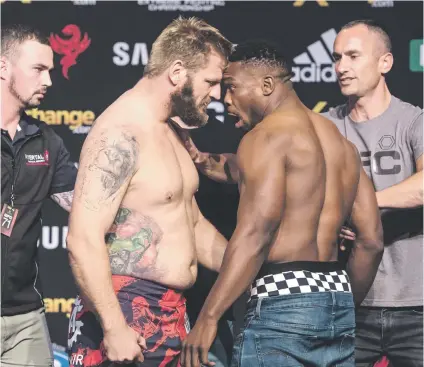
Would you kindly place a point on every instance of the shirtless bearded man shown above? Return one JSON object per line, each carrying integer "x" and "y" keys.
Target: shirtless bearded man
{"x": 136, "y": 233}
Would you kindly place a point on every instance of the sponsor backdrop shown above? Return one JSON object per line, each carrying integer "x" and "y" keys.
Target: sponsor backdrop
{"x": 101, "y": 49}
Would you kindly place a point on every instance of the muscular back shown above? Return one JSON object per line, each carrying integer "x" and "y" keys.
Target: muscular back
{"x": 342, "y": 178}
{"x": 319, "y": 177}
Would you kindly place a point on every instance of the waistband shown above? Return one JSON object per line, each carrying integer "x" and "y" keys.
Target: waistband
{"x": 314, "y": 266}
{"x": 390, "y": 308}
{"x": 129, "y": 288}
{"x": 299, "y": 277}
{"x": 20, "y": 309}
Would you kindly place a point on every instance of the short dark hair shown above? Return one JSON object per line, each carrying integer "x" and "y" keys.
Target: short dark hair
{"x": 15, "y": 34}
{"x": 375, "y": 27}
{"x": 263, "y": 54}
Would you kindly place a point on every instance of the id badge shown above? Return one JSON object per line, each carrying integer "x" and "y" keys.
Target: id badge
{"x": 8, "y": 219}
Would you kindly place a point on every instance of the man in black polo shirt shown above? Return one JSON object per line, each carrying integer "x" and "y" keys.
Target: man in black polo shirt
{"x": 35, "y": 165}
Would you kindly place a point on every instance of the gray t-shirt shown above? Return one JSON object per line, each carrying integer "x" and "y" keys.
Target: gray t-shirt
{"x": 389, "y": 145}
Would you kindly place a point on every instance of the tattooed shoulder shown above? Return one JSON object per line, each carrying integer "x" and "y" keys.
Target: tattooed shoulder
{"x": 111, "y": 159}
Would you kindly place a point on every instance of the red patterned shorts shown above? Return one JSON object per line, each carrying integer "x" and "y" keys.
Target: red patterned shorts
{"x": 158, "y": 313}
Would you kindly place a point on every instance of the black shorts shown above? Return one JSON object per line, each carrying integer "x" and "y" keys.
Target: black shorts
{"x": 157, "y": 312}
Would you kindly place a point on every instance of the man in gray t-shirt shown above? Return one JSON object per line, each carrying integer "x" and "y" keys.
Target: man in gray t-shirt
{"x": 388, "y": 134}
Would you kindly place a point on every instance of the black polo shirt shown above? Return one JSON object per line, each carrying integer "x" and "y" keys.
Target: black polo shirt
{"x": 36, "y": 164}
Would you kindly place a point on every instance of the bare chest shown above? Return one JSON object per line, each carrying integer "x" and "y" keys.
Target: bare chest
{"x": 166, "y": 172}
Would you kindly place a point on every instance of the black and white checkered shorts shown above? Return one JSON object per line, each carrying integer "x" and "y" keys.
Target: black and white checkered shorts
{"x": 300, "y": 281}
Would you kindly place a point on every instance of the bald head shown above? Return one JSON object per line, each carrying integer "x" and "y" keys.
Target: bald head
{"x": 377, "y": 32}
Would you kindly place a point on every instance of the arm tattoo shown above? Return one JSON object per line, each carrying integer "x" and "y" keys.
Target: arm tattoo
{"x": 132, "y": 243}
{"x": 114, "y": 161}
{"x": 64, "y": 199}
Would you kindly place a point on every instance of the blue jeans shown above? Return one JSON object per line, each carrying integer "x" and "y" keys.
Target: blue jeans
{"x": 309, "y": 329}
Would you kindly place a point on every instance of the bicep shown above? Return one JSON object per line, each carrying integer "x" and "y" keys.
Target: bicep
{"x": 365, "y": 213}
{"x": 108, "y": 161}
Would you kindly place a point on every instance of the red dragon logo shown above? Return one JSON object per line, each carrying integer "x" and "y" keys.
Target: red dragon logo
{"x": 70, "y": 48}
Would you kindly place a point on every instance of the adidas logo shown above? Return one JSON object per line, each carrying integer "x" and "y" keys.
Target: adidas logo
{"x": 316, "y": 64}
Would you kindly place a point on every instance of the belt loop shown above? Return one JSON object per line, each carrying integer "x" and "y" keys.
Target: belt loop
{"x": 258, "y": 308}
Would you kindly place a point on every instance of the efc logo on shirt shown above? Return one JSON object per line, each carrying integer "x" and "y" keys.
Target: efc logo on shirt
{"x": 384, "y": 162}
{"x": 416, "y": 55}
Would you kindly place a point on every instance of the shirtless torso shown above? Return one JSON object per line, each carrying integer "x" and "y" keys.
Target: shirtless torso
{"x": 299, "y": 181}
{"x": 314, "y": 208}
{"x": 321, "y": 171}
{"x": 152, "y": 236}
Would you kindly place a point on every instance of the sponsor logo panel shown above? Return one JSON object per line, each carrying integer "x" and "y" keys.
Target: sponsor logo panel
{"x": 181, "y": 5}
{"x": 416, "y": 55}
{"x": 70, "y": 46}
{"x": 381, "y": 3}
{"x": 316, "y": 63}
{"x": 59, "y": 305}
{"x": 78, "y": 121}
